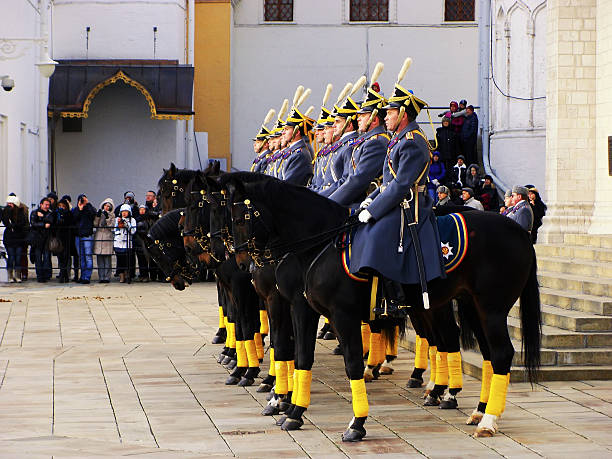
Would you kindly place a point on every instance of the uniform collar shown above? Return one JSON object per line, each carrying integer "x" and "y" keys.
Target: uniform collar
{"x": 346, "y": 134}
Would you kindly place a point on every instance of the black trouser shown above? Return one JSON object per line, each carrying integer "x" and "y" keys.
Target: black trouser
{"x": 63, "y": 261}
{"x": 124, "y": 263}
{"x": 144, "y": 263}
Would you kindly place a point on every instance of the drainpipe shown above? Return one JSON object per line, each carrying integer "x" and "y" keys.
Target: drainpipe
{"x": 43, "y": 136}
{"x": 190, "y": 158}
{"x": 484, "y": 64}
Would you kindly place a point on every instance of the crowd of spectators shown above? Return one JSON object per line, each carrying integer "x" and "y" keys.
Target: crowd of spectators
{"x": 75, "y": 233}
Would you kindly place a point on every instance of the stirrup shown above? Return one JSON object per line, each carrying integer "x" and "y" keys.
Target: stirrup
{"x": 391, "y": 309}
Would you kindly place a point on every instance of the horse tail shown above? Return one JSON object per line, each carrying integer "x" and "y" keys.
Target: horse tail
{"x": 468, "y": 340}
{"x": 388, "y": 329}
{"x": 531, "y": 322}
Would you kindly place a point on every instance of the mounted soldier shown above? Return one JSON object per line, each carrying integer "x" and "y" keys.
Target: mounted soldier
{"x": 261, "y": 144}
{"x": 296, "y": 161}
{"x": 345, "y": 130}
{"x": 275, "y": 144}
{"x": 365, "y": 163}
{"x": 319, "y": 132}
{"x": 401, "y": 232}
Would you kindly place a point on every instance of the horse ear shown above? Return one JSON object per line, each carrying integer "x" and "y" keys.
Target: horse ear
{"x": 172, "y": 170}
{"x": 216, "y": 168}
{"x": 211, "y": 183}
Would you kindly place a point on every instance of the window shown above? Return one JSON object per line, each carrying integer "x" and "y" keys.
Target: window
{"x": 278, "y": 10}
{"x": 459, "y": 10}
{"x": 369, "y": 10}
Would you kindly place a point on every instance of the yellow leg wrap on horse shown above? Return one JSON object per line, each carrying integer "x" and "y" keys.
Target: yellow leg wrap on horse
{"x": 290, "y": 369}
{"x": 221, "y": 318}
{"x": 365, "y": 337}
{"x": 304, "y": 382}
{"x": 433, "y": 361}
{"x": 391, "y": 349}
{"x": 296, "y": 386}
{"x": 241, "y": 354}
{"x": 281, "y": 378}
{"x": 264, "y": 325}
{"x": 497, "y": 396}
{"x": 251, "y": 352}
{"x": 442, "y": 369}
{"x": 508, "y": 378}
{"x": 231, "y": 327}
{"x": 259, "y": 346}
{"x": 272, "y": 370}
{"x": 455, "y": 374}
{"x": 485, "y": 385}
{"x": 360, "y": 398}
{"x": 421, "y": 351}
{"x": 376, "y": 348}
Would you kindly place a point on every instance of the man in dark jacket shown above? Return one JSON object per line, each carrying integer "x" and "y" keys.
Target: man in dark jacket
{"x": 15, "y": 221}
{"x": 64, "y": 230}
{"x": 83, "y": 215}
{"x": 469, "y": 134}
{"x": 41, "y": 220}
{"x": 448, "y": 144}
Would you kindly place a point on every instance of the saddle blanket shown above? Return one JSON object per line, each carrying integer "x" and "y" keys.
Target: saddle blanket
{"x": 453, "y": 240}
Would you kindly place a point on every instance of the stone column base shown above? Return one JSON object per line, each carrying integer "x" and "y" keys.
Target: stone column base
{"x": 561, "y": 219}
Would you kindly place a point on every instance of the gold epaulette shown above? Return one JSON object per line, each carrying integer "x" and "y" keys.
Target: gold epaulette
{"x": 380, "y": 135}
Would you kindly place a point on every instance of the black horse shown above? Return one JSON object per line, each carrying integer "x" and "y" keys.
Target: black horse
{"x": 278, "y": 221}
{"x": 172, "y": 185}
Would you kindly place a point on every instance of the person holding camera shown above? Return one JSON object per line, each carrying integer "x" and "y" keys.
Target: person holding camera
{"x": 125, "y": 227}
{"x": 104, "y": 238}
{"x": 84, "y": 214}
{"x": 41, "y": 220}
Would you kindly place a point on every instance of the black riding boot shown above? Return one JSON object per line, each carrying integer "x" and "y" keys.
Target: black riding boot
{"x": 394, "y": 303}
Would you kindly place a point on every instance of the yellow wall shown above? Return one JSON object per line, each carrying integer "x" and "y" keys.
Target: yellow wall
{"x": 212, "y": 75}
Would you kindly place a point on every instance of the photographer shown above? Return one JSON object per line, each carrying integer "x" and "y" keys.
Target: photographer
{"x": 129, "y": 198}
{"x": 125, "y": 227}
{"x": 84, "y": 214}
{"x": 41, "y": 220}
{"x": 103, "y": 239}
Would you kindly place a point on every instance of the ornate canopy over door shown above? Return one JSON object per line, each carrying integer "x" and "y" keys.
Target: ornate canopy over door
{"x": 167, "y": 86}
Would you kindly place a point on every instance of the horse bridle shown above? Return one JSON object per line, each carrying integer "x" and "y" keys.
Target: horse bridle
{"x": 218, "y": 199}
{"x": 176, "y": 266}
{"x": 174, "y": 189}
{"x": 252, "y": 216}
{"x": 202, "y": 239}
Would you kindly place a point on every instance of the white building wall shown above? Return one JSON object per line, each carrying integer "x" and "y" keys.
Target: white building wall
{"x": 518, "y": 123}
{"x": 120, "y": 148}
{"x": 23, "y": 166}
{"x": 270, "y": 60}
{"x": 119, "y": 29}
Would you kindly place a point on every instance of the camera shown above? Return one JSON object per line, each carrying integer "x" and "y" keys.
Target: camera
{"x": 7, "y": 83}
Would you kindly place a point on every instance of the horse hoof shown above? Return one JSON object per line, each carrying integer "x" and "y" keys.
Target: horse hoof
{"x": 329, "y": 336}
{"x": 386, "y": 371}
{"x": 484, "y": 432}
{"x": 219, "y": 336}
{"x": 270, "y": 410}
{"x": 352, "y": 435}
{"x": 337, "y": 350}
{"x": 232, "y": 381}
{"x": 292, "y": 424}
{"x": 226, "y": 360}
{"x": 280, "y": 421}
{"x": 231, "y": 365}
{"x": 246, "y": 382}
{"x": 270, "y": 395}
{"x": 368, "y": 377}
{"x": 430, "y": 401}
{"x": 449, "y": 404}
{"x": 474, "y": 418}
{"x": 283, "y": 406}
{"x": 414, "y": 383}
{"x": 264, "y": 388}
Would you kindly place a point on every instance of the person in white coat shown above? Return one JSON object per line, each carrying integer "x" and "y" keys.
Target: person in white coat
{"x": 125, "y": 227}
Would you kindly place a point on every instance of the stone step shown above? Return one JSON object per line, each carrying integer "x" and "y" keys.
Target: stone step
{"x": 574, "y": 252}
{"x": 558, "y": 338}
{"x": 593, "y": 286}
{"x": 575, "y": 266}
{"x": 568, "y": 319}
{"x": 595, "y": 305}
{"x": 603, "y": 241}
{"x": 564, "y": 364}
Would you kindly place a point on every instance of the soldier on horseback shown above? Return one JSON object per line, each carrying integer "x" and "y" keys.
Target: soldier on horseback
{"x": 401, "y": 229}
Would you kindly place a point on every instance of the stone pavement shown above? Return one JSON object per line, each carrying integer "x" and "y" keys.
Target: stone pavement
{"x": 118, "y": 370}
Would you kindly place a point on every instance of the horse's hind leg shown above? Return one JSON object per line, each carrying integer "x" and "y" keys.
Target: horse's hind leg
{"x": 449, "y": 335}
{"x": 422, "y": 350}
{"x": 221, "y": 334}
{"x": 376, "y": 354}
{"x": 502, "y": 352}
{"x": 390, "y": 355}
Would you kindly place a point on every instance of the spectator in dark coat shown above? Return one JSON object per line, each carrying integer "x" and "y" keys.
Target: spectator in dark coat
{"x": 473, "y": 179}
{"x": 84, "y": 214}
{"x": 15, "y": 221}
{"x": 459, "y": 173}
{"x": 469, "y": 135}
{"x": 456, "y": 122}
{"x": 64, "y": 231}
{"x": 128, "y": 198}
{"x": 448, "y": 144}
{"x": 437, "y": 175}
{"x": 539, "y": 211}
{"x": 488, "y": 194}
{"x": 73, "y": 251}
{"x": 41, "y": 220}
{"x": 144, "y": 222}
{"x": 443, "y": 196}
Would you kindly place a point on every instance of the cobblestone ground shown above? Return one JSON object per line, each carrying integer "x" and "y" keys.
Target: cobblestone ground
{"x": 129, "y": 370}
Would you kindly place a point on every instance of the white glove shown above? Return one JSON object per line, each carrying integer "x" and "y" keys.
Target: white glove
{"x": 365, "y": 216}
{"x": 435, "y": 182}
{"x": 365, "y": 203}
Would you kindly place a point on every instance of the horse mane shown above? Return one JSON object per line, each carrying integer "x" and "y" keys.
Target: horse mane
{"x": 266, "y": 187}
{"x": 167, "y": 226}
{"x": 182, "y": 175}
